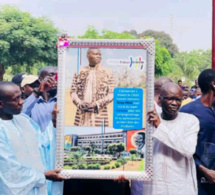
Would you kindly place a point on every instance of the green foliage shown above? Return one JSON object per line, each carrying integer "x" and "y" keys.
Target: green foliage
{"x": 98, "y": 166}
{"x": 93, "y": 147}
{"x": 77, "y": 158}
{"x": 74, "y": 166}
{"x": 94, "y": 166}
{"x": 107, "y": 34}
{"x": 106, "y": 167}
{"x": 164, "y": 39}
{"x": 122, "y": 160}
{"x": 83, "y": 166}
{"x": 120, "y": 147}
{"x": 97, "y": 151}
{"x": 75, "y": 148}
{"x": 90, "y": 166}
{"x": 67, "y": 167}
{"x": 133, "y": 156}
{"x": 118, "y": 164}
{"x": 26, "y": 40}
{"x": 133, "y": 151}
{"x": 116, "y": 147}
{"x": 141, "y": 168}
{"x": 92, "y": 33}
{"x": 190, "y": 64}
{"x": 11, "y": 70}
{"x": 87, "y": 148}
{"x": 113, "y": 167}
{"x": 163, "y": 60}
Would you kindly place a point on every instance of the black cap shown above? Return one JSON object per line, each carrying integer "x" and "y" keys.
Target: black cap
{"x": 17, "y": 79}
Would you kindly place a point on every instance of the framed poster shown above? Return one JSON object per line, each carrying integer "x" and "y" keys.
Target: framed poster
{"x": 105, "y": 88}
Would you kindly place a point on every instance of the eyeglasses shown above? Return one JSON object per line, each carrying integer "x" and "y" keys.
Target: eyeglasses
{"x": 171, "y": 99}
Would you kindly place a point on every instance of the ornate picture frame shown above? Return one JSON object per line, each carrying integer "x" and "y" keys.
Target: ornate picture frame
{"x": 116, "y": 48}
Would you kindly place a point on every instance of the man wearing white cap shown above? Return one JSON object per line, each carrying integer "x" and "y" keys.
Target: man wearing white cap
{"x": 28, "y": 84}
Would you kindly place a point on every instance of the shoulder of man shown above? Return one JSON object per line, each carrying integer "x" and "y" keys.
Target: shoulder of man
{"x": 190, "y": 107}
{"x": 22, "y": 115}
{"x": 106, "y": 69}
{"x": 28, "y": 119}
{"x": 82, "y": 69}
{"x": 189, "y": 119}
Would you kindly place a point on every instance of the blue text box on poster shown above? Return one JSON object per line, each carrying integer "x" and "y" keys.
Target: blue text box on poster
{"x": 128, "y": 108}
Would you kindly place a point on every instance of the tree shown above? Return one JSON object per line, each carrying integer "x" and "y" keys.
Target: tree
{"x": 116, "y": 148}
{"x": 77, "y": 158}
{"x": 133, "y": 156}
{"x": 203, "y": 58}
{"x": 120, "y": 147}
{"x": 92, "y": 33}
{"x": 93, "y": 147}
{"x": 163, "y": 60}
{"x": 112, "y": 149}
{"x": 186, "y": 65}
{"x": 133, "y": 151}
{"x": 25, "y": 40}
{"x": 97, "y": 151}
{"x": 88, "y": 149}
{"x": 107, "y": 34}
{"x": 75, "y": 148}
{"x": 164, "y": 38}
{"x": 190, "y": 64}
{"x": 133, "y": 33}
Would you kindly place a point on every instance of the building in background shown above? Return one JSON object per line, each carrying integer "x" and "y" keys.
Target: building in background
{"x": 101, "y": 141}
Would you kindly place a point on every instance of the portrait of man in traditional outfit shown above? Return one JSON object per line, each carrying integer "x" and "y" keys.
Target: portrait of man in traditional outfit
{"x": 92, "y": 90}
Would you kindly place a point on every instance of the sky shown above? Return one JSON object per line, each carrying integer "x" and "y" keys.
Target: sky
{"x": 189, "y": 22}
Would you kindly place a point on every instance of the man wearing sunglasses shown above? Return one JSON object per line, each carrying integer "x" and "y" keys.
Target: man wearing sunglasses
{"x": 175, "y": 139}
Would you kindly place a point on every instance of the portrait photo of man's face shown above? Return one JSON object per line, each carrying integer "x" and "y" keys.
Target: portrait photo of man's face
{"x": 140, "y": 140}
{"x": 137, "y": 141}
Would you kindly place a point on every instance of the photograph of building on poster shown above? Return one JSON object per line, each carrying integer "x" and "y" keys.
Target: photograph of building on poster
{"x": 117, "y": 150}
{"x": 104, "y": 109}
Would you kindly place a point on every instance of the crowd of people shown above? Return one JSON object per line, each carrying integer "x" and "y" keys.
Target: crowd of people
{"x": 184, "y": 138}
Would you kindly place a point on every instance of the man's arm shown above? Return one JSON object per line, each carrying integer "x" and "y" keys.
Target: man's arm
{"x": 75, "y": 99}
{"x": 209, "y": 174}
{"x": 184, "y": 142}
{"x": 29, "y": 104}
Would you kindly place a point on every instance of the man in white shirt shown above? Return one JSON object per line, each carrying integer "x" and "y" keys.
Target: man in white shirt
{"x": 175, "y": 139}
{"x": 137, "y": 186}
{"x": 22, "y": 170}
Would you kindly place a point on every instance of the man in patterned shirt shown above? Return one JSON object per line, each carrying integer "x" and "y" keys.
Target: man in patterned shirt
{"x": 92, "y": 90}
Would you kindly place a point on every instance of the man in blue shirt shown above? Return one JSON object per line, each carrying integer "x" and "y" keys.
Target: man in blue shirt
{"x": 40, "y": 103}
{"x": 204, "y": 109}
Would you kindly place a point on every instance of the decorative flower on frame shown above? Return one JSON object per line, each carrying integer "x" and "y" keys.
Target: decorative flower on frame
{"x": 63, "y": 42}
